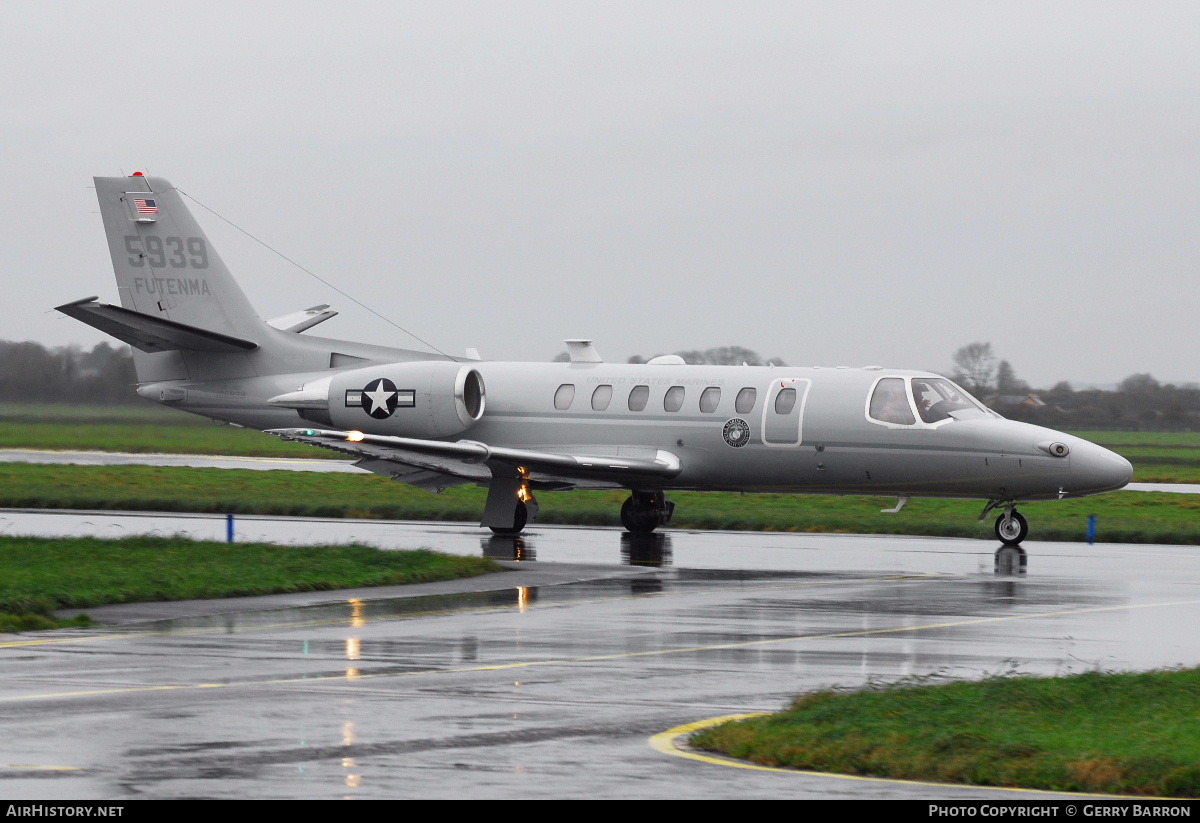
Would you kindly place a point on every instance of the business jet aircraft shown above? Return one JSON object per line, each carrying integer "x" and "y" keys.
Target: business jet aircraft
{"x": 517, "y": 428}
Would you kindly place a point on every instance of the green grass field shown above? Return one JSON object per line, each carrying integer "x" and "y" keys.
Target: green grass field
{"x": 39, "y": 575}
{"x": 1136, "y": 734}
{"x": 1138, "y": 517}
{"x": 145, "y": 429}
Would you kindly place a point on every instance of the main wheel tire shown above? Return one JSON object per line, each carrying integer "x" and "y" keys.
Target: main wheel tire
{"x": 637, "y": 519}
{"x": 1012, "y": 530}
{"x": 520, "y": 518}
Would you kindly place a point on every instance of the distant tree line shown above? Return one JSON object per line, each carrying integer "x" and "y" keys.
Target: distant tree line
{"x": 103, "y": 375}
{"x": 721, "y": 356}
{"x": 30, "y": 372}
{"x": 1140, "y": 402}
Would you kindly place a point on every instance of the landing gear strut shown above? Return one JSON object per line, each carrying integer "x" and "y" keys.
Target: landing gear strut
{"x": 644, "y": 512}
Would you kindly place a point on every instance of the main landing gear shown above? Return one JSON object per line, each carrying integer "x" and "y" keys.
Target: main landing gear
{"x": 510, "y": 505}
{"x": 644, "y": 512}
{"x": 520, "y": 516}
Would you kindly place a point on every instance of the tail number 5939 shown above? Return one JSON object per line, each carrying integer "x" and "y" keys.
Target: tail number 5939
{"x": 160, "y": 252}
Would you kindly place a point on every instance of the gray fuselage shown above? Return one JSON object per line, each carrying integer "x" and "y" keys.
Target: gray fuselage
{"x": 827, "y": 442}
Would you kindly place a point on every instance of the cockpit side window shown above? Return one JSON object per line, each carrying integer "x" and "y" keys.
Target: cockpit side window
{"x": 889, "y": 403}
{"x": 937, "y": 398}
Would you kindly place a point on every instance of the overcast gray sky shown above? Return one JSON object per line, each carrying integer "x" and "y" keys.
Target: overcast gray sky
{"x": 832, "y": 183}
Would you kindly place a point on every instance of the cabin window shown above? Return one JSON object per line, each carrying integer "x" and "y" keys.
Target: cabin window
{"x": 785, "y": 401}
{"x": 709, "y": 399}
{"x": 673, "y": 399}
{"x": 638, "y": 397}
{"x": 601, "y": 397}
{"x": 564, "y": 396}
{"x": 744, "y": 404}
{"x": 889, "y": 402}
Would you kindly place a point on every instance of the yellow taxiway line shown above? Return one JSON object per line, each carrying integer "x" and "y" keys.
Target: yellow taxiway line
{"x": 673, "y": 742}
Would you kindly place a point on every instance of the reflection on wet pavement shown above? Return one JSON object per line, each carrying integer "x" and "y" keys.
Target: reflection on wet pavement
{"x": 551, "y": 684}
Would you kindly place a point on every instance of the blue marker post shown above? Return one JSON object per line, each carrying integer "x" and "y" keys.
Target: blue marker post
{"x": 1091, "y": 529}
{"x": 229, "y": 528}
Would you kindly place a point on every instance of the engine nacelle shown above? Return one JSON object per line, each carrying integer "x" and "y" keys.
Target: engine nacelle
{"x": 425, "y": 398}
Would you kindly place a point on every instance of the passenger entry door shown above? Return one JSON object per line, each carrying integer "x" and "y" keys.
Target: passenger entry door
{"x": 783, "y": 411}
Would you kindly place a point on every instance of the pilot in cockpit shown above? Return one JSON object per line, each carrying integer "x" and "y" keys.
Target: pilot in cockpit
{"x": 923, "y": 404}
{"x": 890, "y": 403}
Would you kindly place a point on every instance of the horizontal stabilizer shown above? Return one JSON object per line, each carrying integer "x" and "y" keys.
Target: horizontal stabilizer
{"x": 297, "y": 322}
{"x": 151, "y": 334}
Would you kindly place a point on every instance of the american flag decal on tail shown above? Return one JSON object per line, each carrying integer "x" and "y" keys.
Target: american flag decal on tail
{"x": 145, "y": 205}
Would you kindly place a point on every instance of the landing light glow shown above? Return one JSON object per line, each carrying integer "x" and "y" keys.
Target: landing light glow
{"x": 355, "y": 436}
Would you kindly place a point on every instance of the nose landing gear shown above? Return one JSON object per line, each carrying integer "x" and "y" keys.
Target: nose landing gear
{"x": 1011, "y": 527}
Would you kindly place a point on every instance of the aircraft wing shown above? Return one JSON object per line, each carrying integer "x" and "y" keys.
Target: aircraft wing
{"x": 411, "y": 460}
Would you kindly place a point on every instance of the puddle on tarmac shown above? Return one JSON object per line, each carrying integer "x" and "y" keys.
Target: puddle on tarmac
{"x": 357, "y": 612}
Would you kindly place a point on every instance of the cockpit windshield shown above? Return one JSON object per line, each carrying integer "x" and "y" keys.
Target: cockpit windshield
{"x": 939, "y": 399}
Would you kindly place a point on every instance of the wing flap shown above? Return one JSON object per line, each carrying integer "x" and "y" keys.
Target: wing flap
{"x": 478, "y": 462}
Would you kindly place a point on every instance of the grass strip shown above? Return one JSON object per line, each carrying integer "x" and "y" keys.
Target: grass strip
{"x": 1162, "y": 473}
{"x": 1115, "y": 439}
{"x": 141, "y": 437}
{"x": 1122, "y": 733}
{"x": 1129, "y": 517}
{"x": 39, "y": 575}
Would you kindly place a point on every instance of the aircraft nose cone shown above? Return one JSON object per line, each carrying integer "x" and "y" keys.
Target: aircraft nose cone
{"x": 1096, "y": 469}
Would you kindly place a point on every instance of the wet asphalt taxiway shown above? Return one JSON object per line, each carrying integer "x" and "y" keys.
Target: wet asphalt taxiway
{"x": 552, "y": 679}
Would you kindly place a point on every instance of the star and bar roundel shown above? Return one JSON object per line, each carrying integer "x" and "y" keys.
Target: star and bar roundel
{"x": 380, "y": 398}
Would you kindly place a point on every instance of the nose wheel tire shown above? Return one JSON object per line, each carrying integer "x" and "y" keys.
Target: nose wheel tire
{"x": 1012, "y": 528}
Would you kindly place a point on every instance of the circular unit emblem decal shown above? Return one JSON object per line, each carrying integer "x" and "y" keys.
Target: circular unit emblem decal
{"x": 379, "y": 398}
{"x": 736, "y": 432}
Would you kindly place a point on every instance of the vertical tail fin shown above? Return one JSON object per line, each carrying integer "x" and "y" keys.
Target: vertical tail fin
{"x": 168, "y": 270}
{"x": 165, "y": 265}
